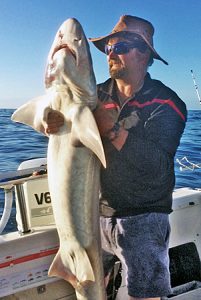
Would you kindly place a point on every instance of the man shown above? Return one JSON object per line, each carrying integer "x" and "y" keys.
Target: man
{"x": 141, "y": 122}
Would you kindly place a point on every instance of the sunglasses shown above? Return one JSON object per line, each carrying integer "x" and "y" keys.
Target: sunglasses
{"x": 124, "y": 47}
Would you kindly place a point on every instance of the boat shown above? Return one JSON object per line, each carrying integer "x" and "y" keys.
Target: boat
{"x": 26, "y": 254}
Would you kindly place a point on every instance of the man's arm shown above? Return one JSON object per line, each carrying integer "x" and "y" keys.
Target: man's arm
{"x": 156, "y": 144}
{"x": 106, "y": 125}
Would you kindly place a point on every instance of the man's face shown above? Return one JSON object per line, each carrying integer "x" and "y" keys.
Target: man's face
{"x": 121, "y": 66}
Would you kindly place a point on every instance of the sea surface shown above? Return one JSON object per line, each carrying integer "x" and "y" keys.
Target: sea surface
{"x": 19, "y": 142}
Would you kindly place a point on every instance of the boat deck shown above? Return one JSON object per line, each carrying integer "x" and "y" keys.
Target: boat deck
{"x": 191, "y": 295}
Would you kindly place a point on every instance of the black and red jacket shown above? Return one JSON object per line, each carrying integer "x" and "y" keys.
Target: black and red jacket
{"x": 140, "y": 178}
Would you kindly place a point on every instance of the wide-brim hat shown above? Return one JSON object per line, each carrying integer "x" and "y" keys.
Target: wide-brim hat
{"x": 130, "y": 25}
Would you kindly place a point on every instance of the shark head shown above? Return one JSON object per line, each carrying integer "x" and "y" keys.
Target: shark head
{"x": 69, "y": 63}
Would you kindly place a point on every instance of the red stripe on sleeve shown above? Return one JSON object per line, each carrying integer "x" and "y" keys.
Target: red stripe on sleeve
{"x": 161, "y": 101}
{"x": 110, "y": 105}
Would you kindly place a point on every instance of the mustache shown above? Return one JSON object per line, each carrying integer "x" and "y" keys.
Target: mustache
{"x": 114, "y": 60}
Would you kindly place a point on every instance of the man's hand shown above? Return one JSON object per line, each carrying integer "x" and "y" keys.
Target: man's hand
{"x": 104, "y": 119}
{"x": 55, "y": 120}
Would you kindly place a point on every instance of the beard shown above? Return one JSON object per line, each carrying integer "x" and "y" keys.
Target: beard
{"x": 116, "y": 70}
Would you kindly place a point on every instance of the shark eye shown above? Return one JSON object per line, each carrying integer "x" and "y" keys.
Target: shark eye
{"x": 76, "y": 40}
{"x": 60, "y": 35}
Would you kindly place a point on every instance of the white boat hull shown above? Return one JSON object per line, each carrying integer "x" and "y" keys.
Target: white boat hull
{"x": 25, "y": 258}
{"x": 24, "y": 264}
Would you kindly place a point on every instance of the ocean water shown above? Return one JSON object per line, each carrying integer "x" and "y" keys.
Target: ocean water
{"x": 19, "y": 142}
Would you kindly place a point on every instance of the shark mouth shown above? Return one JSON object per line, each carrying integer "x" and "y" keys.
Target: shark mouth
{"x": 63, "y": 46}
{"x": 49, "y": 76}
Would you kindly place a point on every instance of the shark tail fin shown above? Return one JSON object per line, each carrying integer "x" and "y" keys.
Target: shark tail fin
{"x": 75, "y": 267}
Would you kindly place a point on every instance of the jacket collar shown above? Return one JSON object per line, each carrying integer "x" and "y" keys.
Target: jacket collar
{"x": 109, "y": 86}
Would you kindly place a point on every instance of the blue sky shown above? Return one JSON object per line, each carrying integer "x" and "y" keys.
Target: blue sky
{"x": 27, "y": 29}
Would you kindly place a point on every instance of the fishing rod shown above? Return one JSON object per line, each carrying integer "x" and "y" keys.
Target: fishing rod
{"x": 196, "y": 87}
{"x": 186, "y": 164}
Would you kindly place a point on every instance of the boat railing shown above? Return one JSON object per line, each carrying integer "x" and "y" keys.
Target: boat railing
{"x": 7, "y": 209}
{"x": 30, "y": 188}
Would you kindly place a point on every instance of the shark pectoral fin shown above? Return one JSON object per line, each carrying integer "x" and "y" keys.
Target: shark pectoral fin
{"x": 32, "y": 112}
{"x": 73, "y": 266}
{"x": 85, "y": 130}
